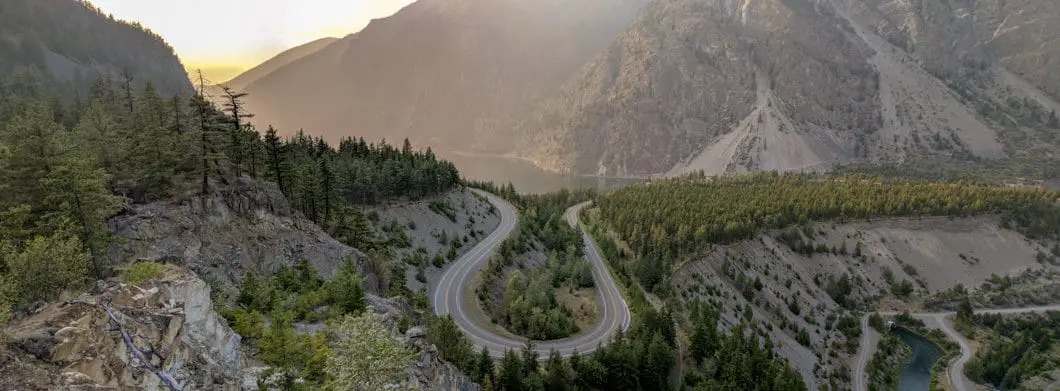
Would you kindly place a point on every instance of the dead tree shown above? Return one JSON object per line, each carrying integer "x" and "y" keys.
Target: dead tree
{"x": 138, "y": 354}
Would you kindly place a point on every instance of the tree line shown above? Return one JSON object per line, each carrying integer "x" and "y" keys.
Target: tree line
{"x": 664, "y": 220}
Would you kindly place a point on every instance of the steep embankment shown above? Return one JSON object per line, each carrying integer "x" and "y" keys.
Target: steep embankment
{"x": 246, "y": 227}
{"x": 75, "y": 43}
{"x": 435, "y": 231}
{"x": 802, "y": 291}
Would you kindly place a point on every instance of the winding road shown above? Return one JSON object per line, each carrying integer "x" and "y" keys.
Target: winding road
{"x": 449, "y": 295}
{"x": 955, "y": 371}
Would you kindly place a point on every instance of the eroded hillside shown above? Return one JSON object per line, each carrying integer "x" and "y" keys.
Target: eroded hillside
{"x": 803, "y": 85}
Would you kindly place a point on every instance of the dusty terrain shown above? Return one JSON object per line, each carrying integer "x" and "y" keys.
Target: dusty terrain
{"x": 473, "y": 219}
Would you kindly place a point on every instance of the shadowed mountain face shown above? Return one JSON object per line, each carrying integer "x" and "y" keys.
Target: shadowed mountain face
{"x": 439, "y": 71}
{"x": 279, "y": 61}
{"x": 674, "y": 86}
{"x": 73, "y": 44}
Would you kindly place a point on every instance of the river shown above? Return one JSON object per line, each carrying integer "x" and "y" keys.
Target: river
{"x": 917, "y": 373}
{"x": 526, "y": 177}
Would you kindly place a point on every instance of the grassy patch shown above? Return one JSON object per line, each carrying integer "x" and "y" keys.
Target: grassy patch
{"x": 142, "y": 272}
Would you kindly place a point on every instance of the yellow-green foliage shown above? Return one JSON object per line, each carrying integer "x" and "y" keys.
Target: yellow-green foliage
{"x": 683, "y": 215}
{"x": 141, "y": 272}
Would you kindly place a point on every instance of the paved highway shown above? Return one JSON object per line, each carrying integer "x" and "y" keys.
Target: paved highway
{"x": 448, "y": 295}
{"x": 955, "y": 371}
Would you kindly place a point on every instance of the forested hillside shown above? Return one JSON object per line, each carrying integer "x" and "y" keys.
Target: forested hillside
{"x": 65, "y": 170}
{"x": 73, "y": 43}
{"x": 675, "y": 217}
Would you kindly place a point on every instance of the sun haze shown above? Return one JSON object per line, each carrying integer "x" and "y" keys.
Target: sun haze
{"x": 227, "y": 37}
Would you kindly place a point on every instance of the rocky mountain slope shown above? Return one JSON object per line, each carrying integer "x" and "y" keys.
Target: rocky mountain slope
{"x": 75, "y": 43}
{"x": 246, "y": 227}
{"x": 279, "y": 61}
{"x": 438, "y": 69}
{"x": 733, "y": 86}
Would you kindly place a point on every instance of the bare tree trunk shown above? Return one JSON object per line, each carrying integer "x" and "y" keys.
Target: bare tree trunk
{"x": 166, "y": 378}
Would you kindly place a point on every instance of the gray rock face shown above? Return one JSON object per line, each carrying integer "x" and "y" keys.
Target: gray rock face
{"x": 687, "y": 72}
{"x": 430, "y": 372}
{"x": 73, "y": 346}
{"x": 248, "y": 226}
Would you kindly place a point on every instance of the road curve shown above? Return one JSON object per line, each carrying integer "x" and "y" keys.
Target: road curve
{"x": 866, "y": 347}
{"x": 955, "y": 371}
{"x": 448, "y": 295}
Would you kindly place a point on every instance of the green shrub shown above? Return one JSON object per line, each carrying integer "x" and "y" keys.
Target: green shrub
{"x": 141, "y": 272}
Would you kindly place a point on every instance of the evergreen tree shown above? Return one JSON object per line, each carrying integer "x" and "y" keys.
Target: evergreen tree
{"x": 559, "y": 375}
{"x": 346, "y": 288}
{"x": 451, "y": 342}
{"x": 511, "y": 374}
{"x": 47, "y": 266}
{"x": 483, "y": 367}
{"x": 276, "y": 159}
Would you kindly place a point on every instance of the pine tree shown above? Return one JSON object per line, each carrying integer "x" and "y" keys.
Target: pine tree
{"x": 559, "y": 374}
{"x": 77, "y": 187}
{"x": 484, "y": 367}
{"x": 47, "y": 266}
{"x": 33, "y": 150}
{"x": 153, "y": 149}
{"x": 346, "y": 288}
{"x": 511, "y": 373}
{"x": 210, "y": 128}
{"x": 276, "y": 159}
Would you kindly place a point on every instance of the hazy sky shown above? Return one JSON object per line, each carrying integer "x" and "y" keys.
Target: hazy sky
{"x": 225, "y": 37}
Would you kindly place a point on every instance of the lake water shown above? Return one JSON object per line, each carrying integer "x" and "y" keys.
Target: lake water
{"x": 917, "y": 373}
{"x": 526, "y": 177}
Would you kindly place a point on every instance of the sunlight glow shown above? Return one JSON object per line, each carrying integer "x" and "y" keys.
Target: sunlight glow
{"x": 228, "y": 36}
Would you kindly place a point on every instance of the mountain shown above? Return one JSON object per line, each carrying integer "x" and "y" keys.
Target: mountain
{"x": 439, "y": 70}
{"x": 736, "y": 86}
{"x": 279, "y": 61}
{"x": 74, "y": 43}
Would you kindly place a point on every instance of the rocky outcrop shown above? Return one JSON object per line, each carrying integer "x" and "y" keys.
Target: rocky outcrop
{"x": 74, "y": 345}
{"x": 247, "y": 226}
{"x": 430, "y": 372}
{"x": 688, "y": 72}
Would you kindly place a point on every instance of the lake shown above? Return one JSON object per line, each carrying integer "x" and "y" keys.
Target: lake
{"x": 526, "y": 177}
{"x": 917, "y": 373}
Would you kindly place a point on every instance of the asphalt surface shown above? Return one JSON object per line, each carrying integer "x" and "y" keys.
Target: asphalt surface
{"x": 867, "y": 346}
{"x": 448, "y": 295}
{"x": 955, "y": 371}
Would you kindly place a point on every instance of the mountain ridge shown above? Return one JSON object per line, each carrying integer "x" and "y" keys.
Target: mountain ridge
{"x": 278, "y": 61}
{"x": 74, "y": 43}
{"x": 438, "y": 72}
{"x": 847, "y": 95}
